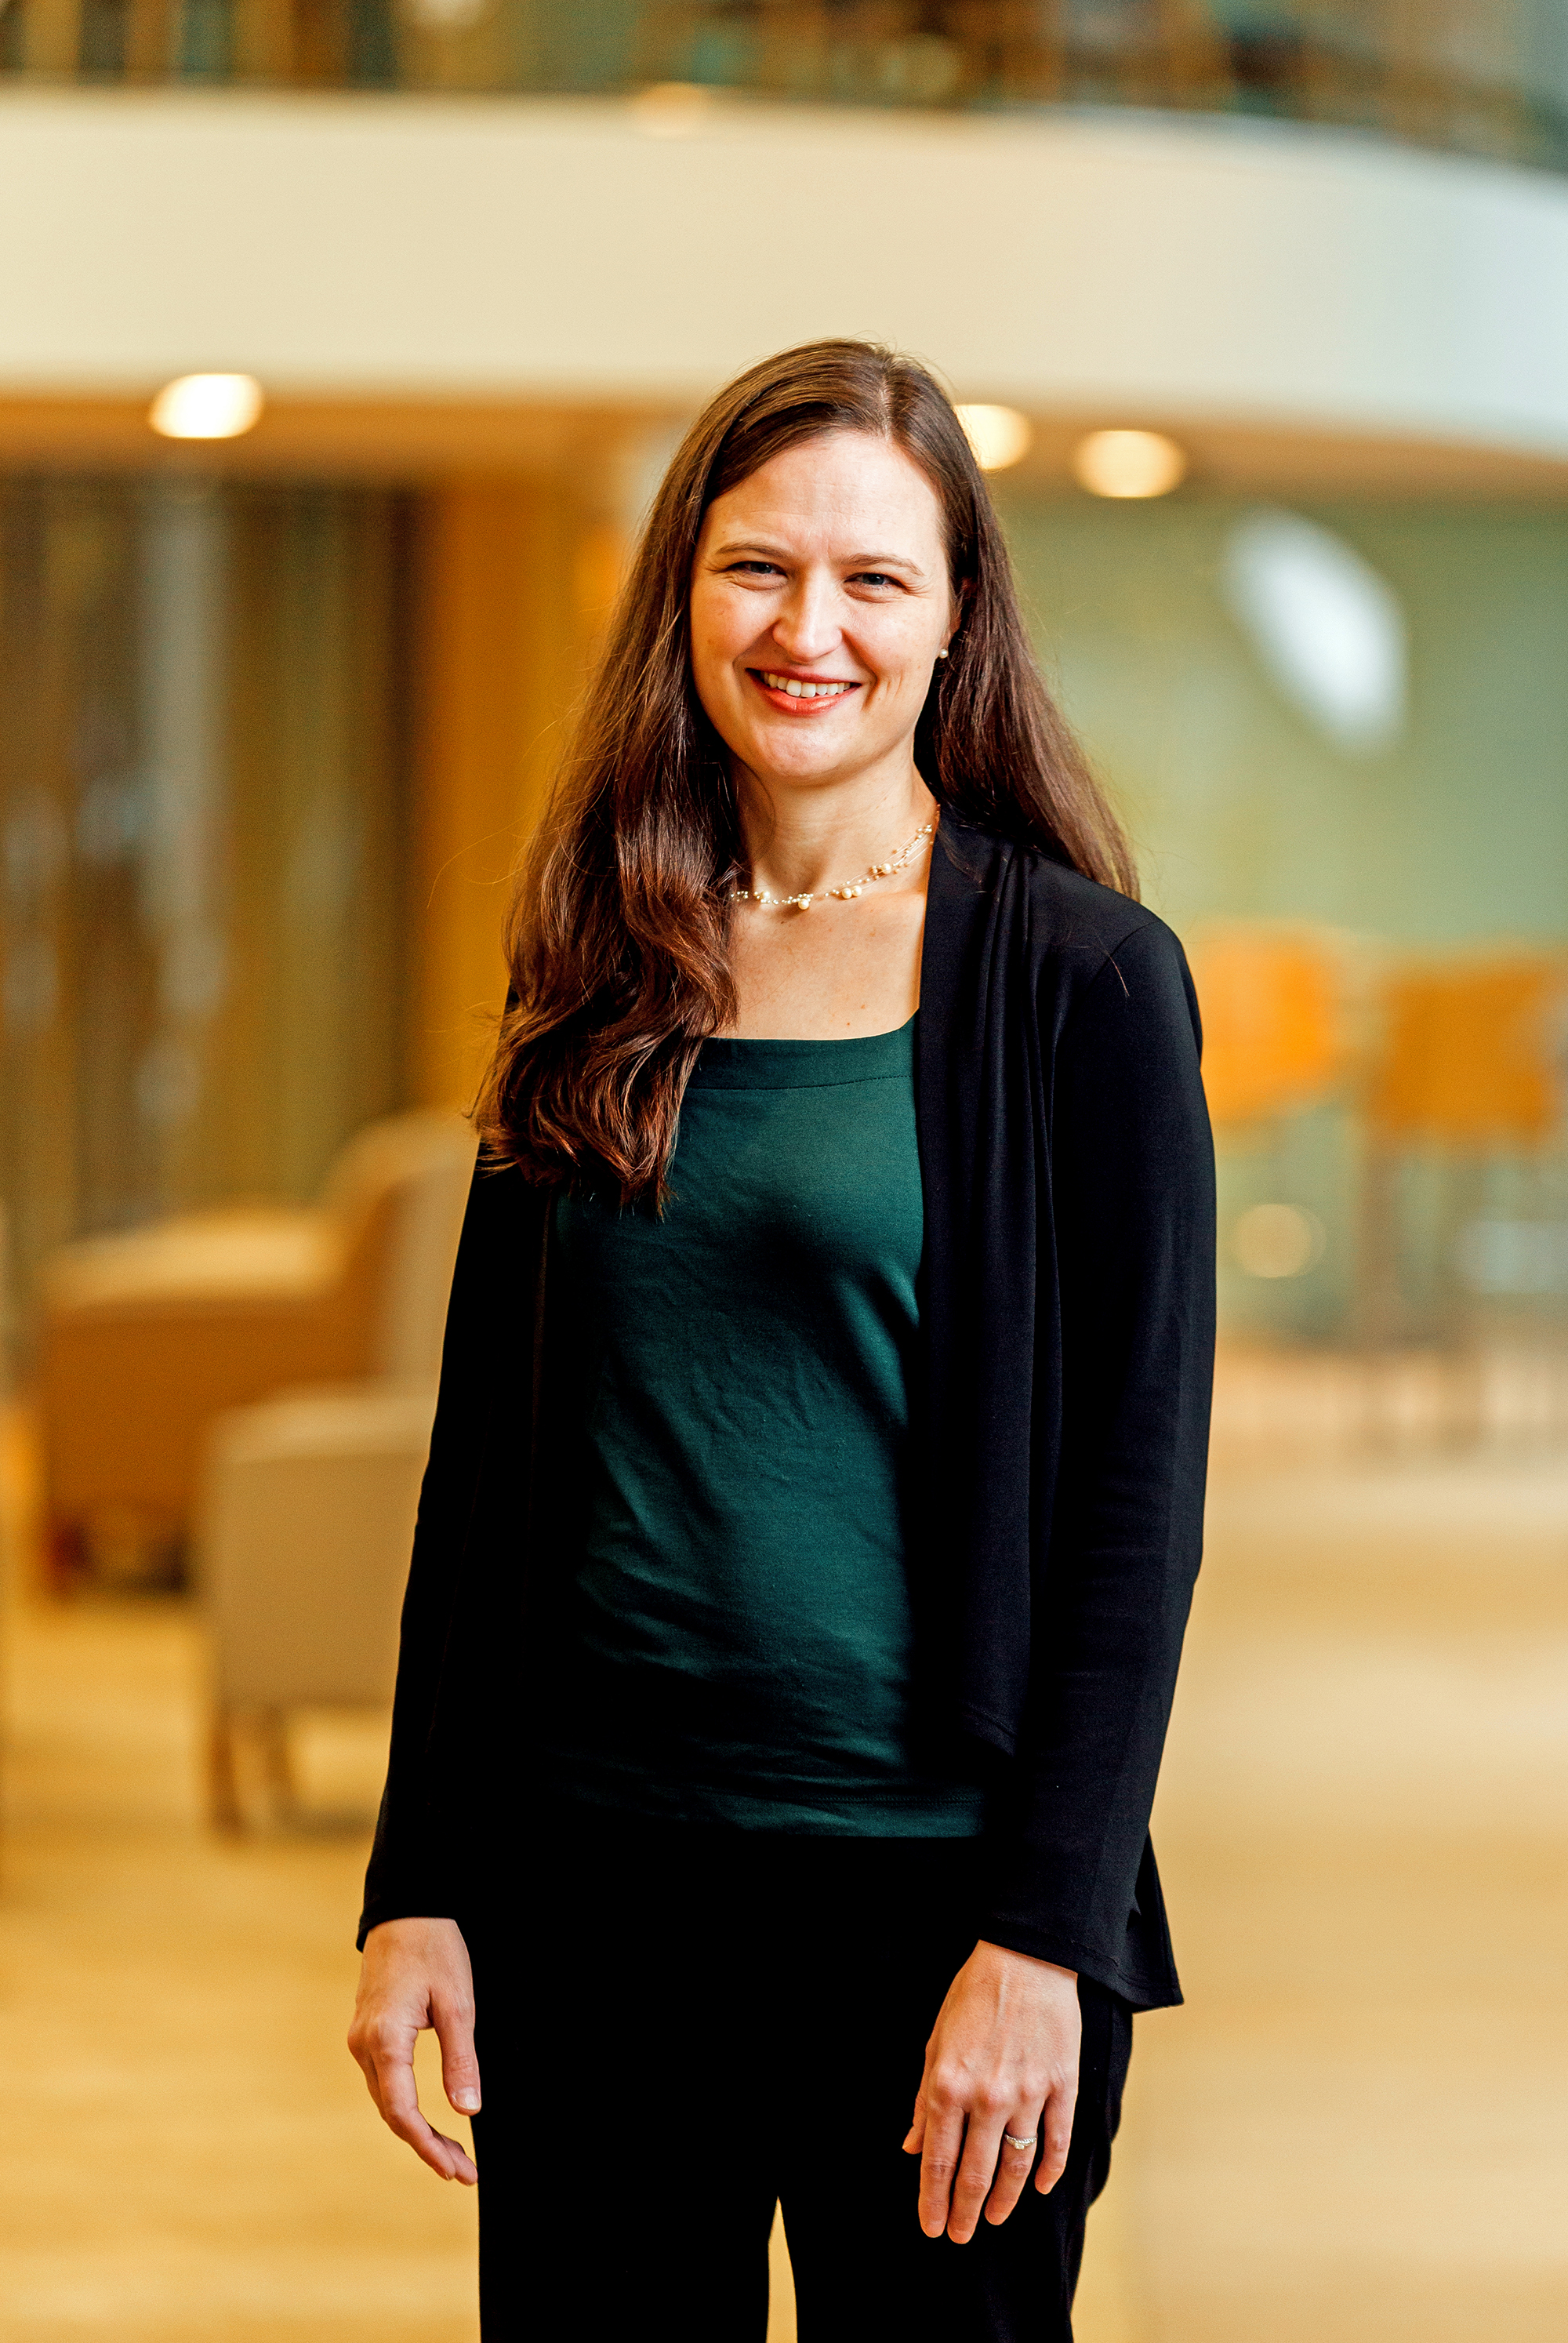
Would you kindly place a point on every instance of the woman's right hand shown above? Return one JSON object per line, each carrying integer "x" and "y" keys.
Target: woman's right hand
{"x": 413, "y": 1974}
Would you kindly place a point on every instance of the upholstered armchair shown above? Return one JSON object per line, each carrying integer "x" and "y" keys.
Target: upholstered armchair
{"x": 148, "y": 1337}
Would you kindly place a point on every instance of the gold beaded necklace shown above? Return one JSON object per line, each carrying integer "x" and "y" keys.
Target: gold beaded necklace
{"x": 849, "y": 888}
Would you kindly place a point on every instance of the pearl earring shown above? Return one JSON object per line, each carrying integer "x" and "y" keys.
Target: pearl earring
{"x": 941, "y": 654}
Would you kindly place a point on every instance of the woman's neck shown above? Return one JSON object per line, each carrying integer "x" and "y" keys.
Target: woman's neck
{"x": 802, "y": 839}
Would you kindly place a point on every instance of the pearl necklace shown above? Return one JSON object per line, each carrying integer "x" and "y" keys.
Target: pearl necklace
{"x": 850, "y": 887}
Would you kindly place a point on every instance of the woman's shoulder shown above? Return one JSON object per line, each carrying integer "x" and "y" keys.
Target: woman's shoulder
{"x": 1080, "y": 913}
{"x": 1105, "y": 975}
{"x": 1074, "y": 923}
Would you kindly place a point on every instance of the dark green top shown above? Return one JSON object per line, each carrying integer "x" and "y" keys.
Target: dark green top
{"x": 737, "y": 1634}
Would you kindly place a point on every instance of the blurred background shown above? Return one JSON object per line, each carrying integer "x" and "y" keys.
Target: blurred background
{"x": 341, "y": 345}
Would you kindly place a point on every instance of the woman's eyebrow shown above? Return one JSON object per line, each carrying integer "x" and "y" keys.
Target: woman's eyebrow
{"x": 853, "y": 560}
{"x": 886, "y": 561}
{"x": 750, "y": 545}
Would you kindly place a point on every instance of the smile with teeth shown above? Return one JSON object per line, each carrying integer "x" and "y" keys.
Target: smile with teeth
{"x": 799, "y": 691}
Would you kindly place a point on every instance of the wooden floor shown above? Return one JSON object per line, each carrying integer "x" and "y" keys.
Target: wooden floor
{"x": 189, "y": 2152}
{"x": 1357, "y": 2131}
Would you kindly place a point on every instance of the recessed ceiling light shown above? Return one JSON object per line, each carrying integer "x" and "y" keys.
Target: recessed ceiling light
{"x": 672, "y": 109}
{"x": 206, "y": 407}
{"x": 1128, "y": 464}
{"x": 446, "y": 15}
{"x": 1000, "y": 436}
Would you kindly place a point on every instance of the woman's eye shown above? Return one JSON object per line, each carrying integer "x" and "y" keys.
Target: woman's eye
{"x": 872, "y": 577}
{"x": 755, "y": 569}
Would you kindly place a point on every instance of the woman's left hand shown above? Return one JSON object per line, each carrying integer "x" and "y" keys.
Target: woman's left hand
{"x": 1002, "y": 2057}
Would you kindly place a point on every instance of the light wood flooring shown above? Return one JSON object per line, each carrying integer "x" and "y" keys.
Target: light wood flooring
{"x": 1356, "y": 2132}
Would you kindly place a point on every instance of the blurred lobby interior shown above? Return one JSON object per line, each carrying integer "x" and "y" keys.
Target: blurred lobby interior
{"x": 341, "y": 345}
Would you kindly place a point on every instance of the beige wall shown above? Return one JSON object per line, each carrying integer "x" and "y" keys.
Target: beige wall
{"x": 573, "y": 249}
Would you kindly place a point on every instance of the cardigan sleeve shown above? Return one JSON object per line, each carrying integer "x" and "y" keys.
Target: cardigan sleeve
{"x": 1130, "y": 1210}
{"x": 464, "y": 1580}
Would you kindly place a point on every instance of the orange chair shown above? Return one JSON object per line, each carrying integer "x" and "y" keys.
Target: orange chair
{"x": 1472, "y": 1054}
{"x": 1274, "y": 1029}
{"x": 1468, "y": 1070}
{"x": 146, "y": 1338}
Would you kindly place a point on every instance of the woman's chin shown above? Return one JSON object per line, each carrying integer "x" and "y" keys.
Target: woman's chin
{"x": 776, "y": 754}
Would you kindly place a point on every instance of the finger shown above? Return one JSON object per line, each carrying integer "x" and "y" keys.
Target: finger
{"x": 939, "y": 2154}
{"x": 914, "y": 2138}
{"x": 367, "y": 2065}
{"x": 1058, "y": 2123}
{"x": 975, "y": 2175}
{"x": 400, "y": 2111}
{"x": 383, "y": 2044}
{"x": 463, "y": 2167}
{"x": 453, "y": 2020}
{"x": 1013, "y": 2165}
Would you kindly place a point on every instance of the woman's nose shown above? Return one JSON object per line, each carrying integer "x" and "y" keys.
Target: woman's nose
{"x": 806, "y": 627}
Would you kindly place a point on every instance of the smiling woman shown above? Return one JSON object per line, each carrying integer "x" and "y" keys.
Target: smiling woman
{"x": 690, "y": 771}
{"x": 816, "y": 1488}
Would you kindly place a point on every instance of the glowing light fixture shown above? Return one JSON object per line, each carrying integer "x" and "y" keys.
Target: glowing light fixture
{"x": 1128, "y": 464}
{"x": 672, "y": 109}
{"x": 1277, "y": 1240}
{"x": 446, "y": 15}
{"x": 206, "y": 407}
{"x": 1000, "y": 436}
{"x": 1327, "y": 628}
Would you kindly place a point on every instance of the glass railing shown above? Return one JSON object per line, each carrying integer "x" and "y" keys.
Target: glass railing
{"x": 1480, "y": 77}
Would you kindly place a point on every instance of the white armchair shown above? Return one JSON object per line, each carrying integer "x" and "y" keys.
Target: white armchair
{"x": 306, "y": 1528}
{"x": 307, "y": 1511}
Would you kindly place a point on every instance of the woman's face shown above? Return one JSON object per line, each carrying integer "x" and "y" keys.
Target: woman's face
{"x": 820, "y": 599}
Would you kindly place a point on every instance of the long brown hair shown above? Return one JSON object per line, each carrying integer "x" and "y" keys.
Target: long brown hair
{"x": 617, "y": 938}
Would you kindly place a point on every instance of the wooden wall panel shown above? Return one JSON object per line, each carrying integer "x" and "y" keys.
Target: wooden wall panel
{"x": 513, "y": 585}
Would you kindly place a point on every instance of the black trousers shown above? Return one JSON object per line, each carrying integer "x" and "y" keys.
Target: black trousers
{"x": 677, "y": 2027}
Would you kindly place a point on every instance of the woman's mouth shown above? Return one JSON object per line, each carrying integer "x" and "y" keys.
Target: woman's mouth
{"x": 797, "y": 694}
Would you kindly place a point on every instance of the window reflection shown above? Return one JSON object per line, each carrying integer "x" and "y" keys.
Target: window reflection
{"x": 201, "y": 844}
{"x": 1475, "y": 77}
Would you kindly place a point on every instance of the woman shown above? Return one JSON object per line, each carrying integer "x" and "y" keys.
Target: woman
{"x": 816, "y": 1489}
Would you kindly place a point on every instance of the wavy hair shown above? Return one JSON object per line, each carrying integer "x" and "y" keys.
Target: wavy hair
{"x": 617, "y": 936}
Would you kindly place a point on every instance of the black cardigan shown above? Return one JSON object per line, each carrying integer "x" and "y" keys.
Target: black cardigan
{"x": 1067, "y": 1331}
